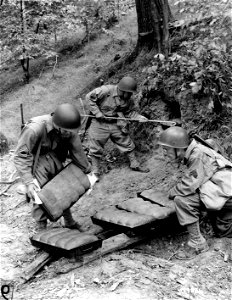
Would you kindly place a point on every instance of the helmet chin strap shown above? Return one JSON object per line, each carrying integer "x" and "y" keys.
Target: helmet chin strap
{"x": 179, "y": 158}
{"x": 176, "y": 155}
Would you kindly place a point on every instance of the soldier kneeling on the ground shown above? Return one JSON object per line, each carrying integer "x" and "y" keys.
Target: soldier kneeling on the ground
{"x": 113, "y": 101}
{"x": 43, "y": 147}
{"x": 207, "y": 183}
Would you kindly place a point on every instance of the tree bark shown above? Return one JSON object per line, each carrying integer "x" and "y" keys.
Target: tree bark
{"x": 145, "y": 26}
{"x": 25, "y": 60}
{"x": 153, "y": 17}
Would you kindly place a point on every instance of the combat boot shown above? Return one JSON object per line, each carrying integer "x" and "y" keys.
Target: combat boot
{"x": 40, "y": 225}
{"x": 195, "y": 245}
{"x": 135, "y": 165}
{"x": 69, "y": 222}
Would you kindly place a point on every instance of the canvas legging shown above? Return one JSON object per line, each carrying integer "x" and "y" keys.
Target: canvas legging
{"x": 188, "y": 211}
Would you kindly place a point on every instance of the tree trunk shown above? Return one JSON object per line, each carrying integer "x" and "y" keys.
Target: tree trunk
{"x": 153, "y": 17}
{"x": 25, "y": 60}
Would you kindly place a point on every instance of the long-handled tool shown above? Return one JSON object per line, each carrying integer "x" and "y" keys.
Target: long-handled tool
{"x": 22, "y": 117}
{"x": 168, "y": 123}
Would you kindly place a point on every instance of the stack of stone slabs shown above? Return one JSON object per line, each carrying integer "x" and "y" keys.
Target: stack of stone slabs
{"x": 65, "y": 242}
{"x": 136, "y": 213}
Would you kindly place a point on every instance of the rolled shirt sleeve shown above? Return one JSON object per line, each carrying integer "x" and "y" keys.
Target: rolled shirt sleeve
{"x": 93, "y": 97}
{"x": 77, "y": 154}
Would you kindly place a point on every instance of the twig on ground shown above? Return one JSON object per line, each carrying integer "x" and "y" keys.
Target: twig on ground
{"x": 12, "y": 175}
{"x": 173, "y": 254}
{"x": 16, "y": 206}
{"x": 9, "y": 182}
{"x": 7, "y": 188}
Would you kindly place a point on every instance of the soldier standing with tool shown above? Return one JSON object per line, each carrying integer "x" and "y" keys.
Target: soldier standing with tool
{"x": 206, "y": 184}
{"x": 43, "y": 146}
{"x": 113, "y": 101}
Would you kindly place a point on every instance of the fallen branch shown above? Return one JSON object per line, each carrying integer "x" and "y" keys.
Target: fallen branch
{"x": 88, "y": 258}
{"x": 9, "y": 182}
{"x": 45, "y": 258}
{"x": 5, "y": 190}
{"x": 35, "y": 266}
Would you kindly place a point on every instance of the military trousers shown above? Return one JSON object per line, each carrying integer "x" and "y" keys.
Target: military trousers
{"x": 47, "y": 167}
{"x": 188, "y": 210}
{"x": 100, "y": 132}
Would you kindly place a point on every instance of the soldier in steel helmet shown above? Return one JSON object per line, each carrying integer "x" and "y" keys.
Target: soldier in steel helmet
{"x": 48, "y": 139}
{"x": 207, "y": 184}
{"x": 113, "y": 101}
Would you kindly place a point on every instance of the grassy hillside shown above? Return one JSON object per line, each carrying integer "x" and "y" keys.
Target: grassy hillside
{"x": 52, "y": 86}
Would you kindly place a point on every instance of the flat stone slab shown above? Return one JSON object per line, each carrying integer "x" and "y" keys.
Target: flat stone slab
{"x": 121, "y": 217}
{"x": 158, "y": 197}
{"x": 140, "y": 206}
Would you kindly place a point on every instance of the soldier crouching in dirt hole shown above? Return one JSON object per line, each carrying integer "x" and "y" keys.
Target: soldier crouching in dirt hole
{"x": 43, "y": 146}
{"x": 113, "y": 101}
{"x": 207, "y": 184}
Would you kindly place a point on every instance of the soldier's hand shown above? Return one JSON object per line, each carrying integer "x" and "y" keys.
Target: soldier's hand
{"x": 31, "y": 188}
{"x": 99, "y": 115}
{"x": 92, "y": 179}
{"x": 143, "y": 119}
{"x": 125, "y": 130}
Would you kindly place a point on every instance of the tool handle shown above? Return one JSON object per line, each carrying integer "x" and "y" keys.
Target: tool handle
{"x": 22, "y": 117}
{"x": 203, "y": 142}
{"x": 169, "y": 123}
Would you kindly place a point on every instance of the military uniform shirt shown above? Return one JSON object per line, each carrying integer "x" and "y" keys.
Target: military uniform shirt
{"x": 52, "y": 143}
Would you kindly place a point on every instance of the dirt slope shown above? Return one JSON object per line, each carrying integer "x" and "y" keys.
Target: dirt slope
{"x": 127, "y": 274}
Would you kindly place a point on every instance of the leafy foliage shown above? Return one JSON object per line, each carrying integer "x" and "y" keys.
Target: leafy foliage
{"x": 201, "y": 67}
{"x": 21, "y": 42}
{"x": 34, "y": 32}
{"x": 197, "y": 75}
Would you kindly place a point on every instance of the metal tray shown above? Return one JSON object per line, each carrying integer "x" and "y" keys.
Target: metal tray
{"x": 123, "y": 221}
{"x": 66, "y": 242}
{"x": 156, "y": 196}
{"x": 141, "y": 206}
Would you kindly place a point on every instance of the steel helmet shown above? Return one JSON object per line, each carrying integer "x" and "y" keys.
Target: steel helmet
{"x": 67, "y": 116}
{"x": 174, "y": 137}
{"x": 127, "y": 84}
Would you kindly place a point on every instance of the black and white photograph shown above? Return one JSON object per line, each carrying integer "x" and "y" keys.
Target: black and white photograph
{"x": 116, "y": 149}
